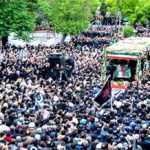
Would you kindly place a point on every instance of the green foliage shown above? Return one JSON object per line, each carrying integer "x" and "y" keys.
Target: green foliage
{"x": 39, "y": 20}
{"x": 146, "y": 8}
{"x": 93, "y": 5}
{"x": 69, "y": 17}
{"x": 103, "y": 8}
{"x": 128, "y": 31}
{"x": 44, "y": 8}
{"x": 127, "y": 7}
{"x": 135, "y": 10}
{"x": 141, "y": 13}
{"x": 111, "y": 6}
{"x": 16, "y": 16}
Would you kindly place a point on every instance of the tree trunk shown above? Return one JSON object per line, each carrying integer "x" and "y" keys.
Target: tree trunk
{"x": 4, "y": 40}
{"x": 63, "y": 38}
{"x": 149, "y": 23}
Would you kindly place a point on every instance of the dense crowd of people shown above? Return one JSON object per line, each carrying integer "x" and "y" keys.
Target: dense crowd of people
{"x": 96, "y": 38}
{"x": 39, "y": 113}
{"x": 143, "y": 32}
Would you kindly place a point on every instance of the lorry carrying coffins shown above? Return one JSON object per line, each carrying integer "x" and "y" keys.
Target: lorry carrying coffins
{"x": 130, "y": 58}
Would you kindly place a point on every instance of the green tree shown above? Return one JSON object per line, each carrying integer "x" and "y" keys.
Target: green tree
{"x": 69, "y": 17}
{"x": 127, "y": 7}
{"x": 141, "y": 13}
{"x": 93, "y": 5}
{"x": 128, "y": 31}
{"x": 111, "y": 6}
{"x": 43, "y": 12}
{"x": 135, "y": 10}
{"x": 17, "y": 16}
{"x": 103, "y": 8}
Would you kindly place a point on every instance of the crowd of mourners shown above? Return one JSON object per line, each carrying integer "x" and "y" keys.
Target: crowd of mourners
{"x": 100, "y": 36}
{"x": 143, "y": 32}
{"x": 39, "y": 113}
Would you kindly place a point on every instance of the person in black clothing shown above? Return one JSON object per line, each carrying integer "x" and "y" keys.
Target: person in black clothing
{"x": 46, "y": 71}
{"x": 56, "y": 72}
{"x": 110, "y": 69}
{"x": 143, "y": 143}
{"x": 70, "y": 66}
{"x": 132, "y": 65}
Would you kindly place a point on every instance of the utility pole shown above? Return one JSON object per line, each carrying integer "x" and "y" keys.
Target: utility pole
{"x": 119, "y": 19}
{"x": 117, "y": 8}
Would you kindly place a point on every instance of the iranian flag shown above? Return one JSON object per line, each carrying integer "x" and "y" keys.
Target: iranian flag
{"x": 122, "y": 57}
{"x": 122, "y": 72}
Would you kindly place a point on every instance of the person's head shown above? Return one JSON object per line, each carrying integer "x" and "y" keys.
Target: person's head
{"x": 104, "y": 146}
{"x": 57, "y": 65}
{"x": 42, "y": 144}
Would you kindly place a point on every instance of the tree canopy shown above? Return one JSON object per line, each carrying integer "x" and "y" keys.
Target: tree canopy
{"x": 141, "y": 12}
{"x": 69, "y": 17}
{"x": 128, "y": 31}
{"x": 135, "y": 10}
{"x": 17, "y": 16}
{"x": 66, "y": 16}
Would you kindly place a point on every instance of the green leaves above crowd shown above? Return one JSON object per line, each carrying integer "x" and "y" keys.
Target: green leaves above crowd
{"x": 17, "y": 16}
{"x": 68, "y": 17}
{"x": 135, "y": 10}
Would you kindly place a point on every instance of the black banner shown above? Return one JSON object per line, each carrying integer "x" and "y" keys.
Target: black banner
{"x": 104, "y": 95}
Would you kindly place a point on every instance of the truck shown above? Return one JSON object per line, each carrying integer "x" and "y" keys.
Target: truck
{"x": 130, "y": 58}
